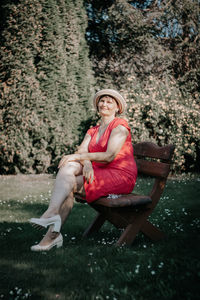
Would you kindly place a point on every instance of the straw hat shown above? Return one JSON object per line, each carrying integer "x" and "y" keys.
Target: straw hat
{"x": 109, "y": 92}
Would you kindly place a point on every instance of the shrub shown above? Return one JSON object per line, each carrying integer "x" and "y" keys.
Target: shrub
{"x": 158, "y": 112}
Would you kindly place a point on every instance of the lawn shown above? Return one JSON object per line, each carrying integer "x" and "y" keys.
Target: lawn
{"x": 94, "y": 268}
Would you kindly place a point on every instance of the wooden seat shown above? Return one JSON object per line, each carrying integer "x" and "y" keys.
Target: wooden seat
{"x": 131, "y": 211}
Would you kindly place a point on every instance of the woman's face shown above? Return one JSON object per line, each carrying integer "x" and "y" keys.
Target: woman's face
{"x": 107, "y": 106}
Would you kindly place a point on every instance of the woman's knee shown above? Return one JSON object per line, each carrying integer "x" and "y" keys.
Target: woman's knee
{"x": 71, "y": 168}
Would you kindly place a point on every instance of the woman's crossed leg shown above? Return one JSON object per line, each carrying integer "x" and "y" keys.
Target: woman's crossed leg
{"x": 68, "y": 180}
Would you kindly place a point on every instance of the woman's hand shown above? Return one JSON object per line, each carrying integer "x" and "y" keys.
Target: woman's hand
{"x": 68, "y": 158}
{"x": 88, "y": 171}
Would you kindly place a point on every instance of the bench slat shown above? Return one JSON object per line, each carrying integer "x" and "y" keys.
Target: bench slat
{"x": 148, "y": 149}
{"x": 124, "y": 201}
{"x": 153, "y": 168}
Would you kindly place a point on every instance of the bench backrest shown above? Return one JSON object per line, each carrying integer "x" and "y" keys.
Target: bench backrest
{"x": 154, "y": 161}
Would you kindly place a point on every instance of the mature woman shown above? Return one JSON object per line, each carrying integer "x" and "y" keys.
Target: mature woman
{"x": 104, "y": 164}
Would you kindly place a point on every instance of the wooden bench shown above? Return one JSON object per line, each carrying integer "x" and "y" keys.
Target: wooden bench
{"x": 131, "y": 211}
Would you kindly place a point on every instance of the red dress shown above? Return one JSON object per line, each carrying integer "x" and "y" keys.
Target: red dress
{"x": 118, "y": 176}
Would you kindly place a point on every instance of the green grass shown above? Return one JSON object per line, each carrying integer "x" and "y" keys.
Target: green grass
{"x": 94, "y": 268}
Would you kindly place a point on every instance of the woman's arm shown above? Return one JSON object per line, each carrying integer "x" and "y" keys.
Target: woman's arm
{"x": 84, "y": 145}
{"x": 115, "y": 143}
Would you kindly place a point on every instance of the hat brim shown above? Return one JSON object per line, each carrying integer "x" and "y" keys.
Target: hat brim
{"x": 109, "y": 92}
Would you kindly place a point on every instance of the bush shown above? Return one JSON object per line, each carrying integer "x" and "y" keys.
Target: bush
{"x": 158, "y": 112}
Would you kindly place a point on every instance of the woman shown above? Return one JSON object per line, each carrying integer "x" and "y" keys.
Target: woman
{"x": 103, "y": 165}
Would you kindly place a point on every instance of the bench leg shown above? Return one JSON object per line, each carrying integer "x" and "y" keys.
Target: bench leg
{"x": 95, "y": 225}
{"x": 131, "y": 231}
{"x": 151, "y": 231}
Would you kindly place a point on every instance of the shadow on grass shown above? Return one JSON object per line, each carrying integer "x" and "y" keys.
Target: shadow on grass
{"x": 162, "y": 270}
{"x": 93, "y": 268}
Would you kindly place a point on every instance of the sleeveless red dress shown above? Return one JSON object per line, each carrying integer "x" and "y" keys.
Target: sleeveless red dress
{"x": 118, "y": 176}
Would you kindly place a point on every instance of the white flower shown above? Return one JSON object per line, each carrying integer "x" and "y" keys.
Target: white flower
{"x": 113, "y": 196}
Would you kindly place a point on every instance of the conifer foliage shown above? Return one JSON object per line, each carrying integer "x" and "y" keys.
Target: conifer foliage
{"x": 45, "y": 82}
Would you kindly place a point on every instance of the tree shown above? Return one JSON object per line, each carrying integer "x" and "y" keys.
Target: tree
{"x": 180, "y": 25}
{"x": 122, "y": 43}
{"x": 145, "y": 38}
{"x": 45, "y": 82}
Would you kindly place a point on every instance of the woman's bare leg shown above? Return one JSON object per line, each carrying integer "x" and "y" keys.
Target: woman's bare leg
{"x": 65, "y": 209}
{"x": 64, "y": 185}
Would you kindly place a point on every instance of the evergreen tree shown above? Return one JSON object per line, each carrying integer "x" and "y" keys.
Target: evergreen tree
{"x": 45, "y": 82}
{"x": 179, "y": 24}
{"x": 122, "y": 43}
{"x": 145, "y": 38}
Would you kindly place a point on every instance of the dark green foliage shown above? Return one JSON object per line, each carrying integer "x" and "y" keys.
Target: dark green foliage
{"x": 45, "y": 82}
{"x": 178, "y": 25}
{"x": 145, "y": 38}
{"x": 123, "y": 42}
